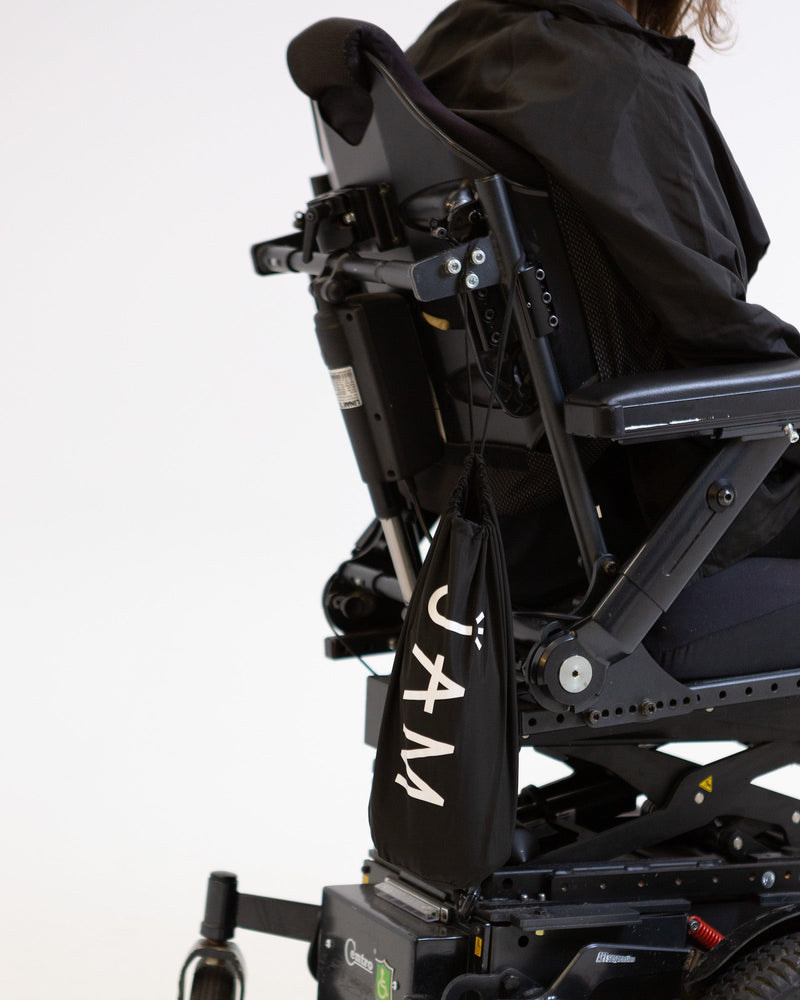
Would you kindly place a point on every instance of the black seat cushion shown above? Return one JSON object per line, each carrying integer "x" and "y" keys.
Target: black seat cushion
{"x": 744, "y": 619}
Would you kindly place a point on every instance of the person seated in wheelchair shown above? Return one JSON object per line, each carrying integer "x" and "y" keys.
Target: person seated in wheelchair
{"x": 662, "y": 233}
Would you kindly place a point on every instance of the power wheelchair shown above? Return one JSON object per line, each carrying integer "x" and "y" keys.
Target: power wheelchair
{"x": 641, "y": 873}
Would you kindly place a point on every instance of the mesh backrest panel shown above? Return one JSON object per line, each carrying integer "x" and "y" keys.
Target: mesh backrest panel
{"x": 518, "y": 491}
{"x": 622, "y": 330}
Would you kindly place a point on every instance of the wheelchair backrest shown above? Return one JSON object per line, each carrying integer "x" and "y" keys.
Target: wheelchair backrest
{"x": 402, "y": 158}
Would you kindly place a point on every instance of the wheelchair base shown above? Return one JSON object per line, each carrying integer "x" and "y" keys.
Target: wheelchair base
{"x": 661, "y": 927}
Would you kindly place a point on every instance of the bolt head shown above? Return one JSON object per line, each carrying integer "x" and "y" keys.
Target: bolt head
{"x": 575, "y": 674}
{"x": 768, "y": 879}
{"x": 699, "y": 799}
{"x": 452, "y": 265}
{"x": 796, "y": 817}
{"x": 726, "y": 496}
{"x": 478, "y": 256}
{"x": 472, "y": 280}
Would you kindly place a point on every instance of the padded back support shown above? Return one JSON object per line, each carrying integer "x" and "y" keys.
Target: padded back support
{"x": 378, "y": 124}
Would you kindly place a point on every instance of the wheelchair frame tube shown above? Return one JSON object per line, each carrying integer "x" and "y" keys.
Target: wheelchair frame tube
{"x": 549, "y": 392}
{"x": 672, "y": 553}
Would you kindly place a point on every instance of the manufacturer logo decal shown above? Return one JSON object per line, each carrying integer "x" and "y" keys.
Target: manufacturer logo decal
{"x": 354, "y": 957}
{"x": 383, "y": 972}
{"x": 609, "y": 958}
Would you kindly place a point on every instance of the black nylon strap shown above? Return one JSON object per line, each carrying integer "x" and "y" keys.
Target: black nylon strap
{"x": 278, "y": 916}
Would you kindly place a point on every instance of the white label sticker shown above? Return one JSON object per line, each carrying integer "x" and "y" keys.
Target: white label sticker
{"x": 346, "y": 388}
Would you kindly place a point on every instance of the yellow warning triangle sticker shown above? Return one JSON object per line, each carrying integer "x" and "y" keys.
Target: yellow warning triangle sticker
{"x": 708, "y": 784}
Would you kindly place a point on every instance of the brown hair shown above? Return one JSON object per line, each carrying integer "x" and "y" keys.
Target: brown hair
{"x": 671, "y": 17}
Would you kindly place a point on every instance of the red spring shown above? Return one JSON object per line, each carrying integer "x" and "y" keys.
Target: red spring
{"x": 703, "y": 934}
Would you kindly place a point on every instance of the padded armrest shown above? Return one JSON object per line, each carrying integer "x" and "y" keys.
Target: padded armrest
{"x": 729, "y": 400}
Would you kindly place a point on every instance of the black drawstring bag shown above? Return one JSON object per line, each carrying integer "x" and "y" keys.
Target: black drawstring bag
{"x": 444, "y": 789}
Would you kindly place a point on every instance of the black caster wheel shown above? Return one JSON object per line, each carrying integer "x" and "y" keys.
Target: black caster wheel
{"x": 218, "y": 972}
{"x": 213, "y": 982}
{"x": 770, "y": 972}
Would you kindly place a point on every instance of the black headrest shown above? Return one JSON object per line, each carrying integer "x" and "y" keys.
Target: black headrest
{"x": 328, "y": 63}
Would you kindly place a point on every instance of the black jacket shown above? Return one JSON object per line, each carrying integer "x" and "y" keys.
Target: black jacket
{"x": 615, "y": 115}
{"x": 619, "y": 121}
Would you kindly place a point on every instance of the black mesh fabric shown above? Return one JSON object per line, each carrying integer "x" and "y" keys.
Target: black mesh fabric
{"x": 622, "y": 330}
{"x": 522, "y": 480}
{"x": 534, "y": 484}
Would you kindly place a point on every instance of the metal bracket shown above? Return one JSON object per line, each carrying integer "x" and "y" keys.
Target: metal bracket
{"x": 468, "y": 266}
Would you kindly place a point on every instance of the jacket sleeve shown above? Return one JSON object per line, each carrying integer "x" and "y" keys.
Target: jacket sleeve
{"x": 670, "y": 205}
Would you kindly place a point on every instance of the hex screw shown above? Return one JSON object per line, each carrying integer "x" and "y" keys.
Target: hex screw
{"x": 768, "y": 879}
{"x": 472, "y": 280}
{"x": 478, "y": 256}
{"x": 721, "y": 495}
{"x": 647, "y": 708}
{"x": 725, "y": 496}
{"x": 791, "y": 432}
{"x": 452, "y": 265}
{"x": 699, "y": 799}
{"x": 349, "y": 218}
{"x": 796, "y": 817}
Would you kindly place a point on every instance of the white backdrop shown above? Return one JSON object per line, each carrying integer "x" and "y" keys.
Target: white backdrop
{"x": 177, "y": 485}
